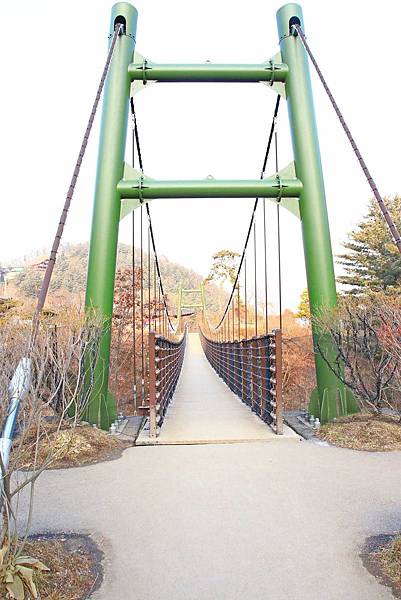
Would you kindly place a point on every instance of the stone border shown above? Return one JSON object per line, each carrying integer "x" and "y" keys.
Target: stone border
{"x": 372, "y": 545}
{"x": 291, "y": 418}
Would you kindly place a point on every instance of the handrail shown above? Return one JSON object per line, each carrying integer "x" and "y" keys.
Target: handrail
{"x": 252, "y": 369}
{"x": 165, "y": 362}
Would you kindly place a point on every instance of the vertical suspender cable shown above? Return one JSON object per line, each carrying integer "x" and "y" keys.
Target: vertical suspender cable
{"x": 154, "y": 295}
{"x": 133, "y": 287}
{"x": 134, "y": 306}
{"x": 239, "y": 313}
{"x": 158, "y": 307}
{"x": 142, "y": 318}
{"x": 245, "y": 300}
{"x": 279, "y": 267}
{"x": 149, "y": 282}
{"x": 265, "y": 252}
{"x": 255, "y": 278}
{"x": 278, "y": 239}
{"x": 233, "y": 309}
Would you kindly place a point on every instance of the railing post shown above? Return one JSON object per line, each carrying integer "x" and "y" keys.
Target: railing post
{"x": 244, "y": 364}
{"x": 264, "y": 377}
{"x": 254, "y": 405}
{"x": 279, "y": 381}
{"x": 152, "y": 385}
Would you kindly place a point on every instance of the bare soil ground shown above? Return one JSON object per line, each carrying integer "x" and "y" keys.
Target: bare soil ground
{"x": 363, "y": 432}
{"x": 74, "y": 562}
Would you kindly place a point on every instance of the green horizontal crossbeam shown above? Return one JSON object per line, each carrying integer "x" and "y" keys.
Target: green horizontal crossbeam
{"x": 192, "y": 305}
{"x": 208, "y": 72}
{"x": 150, "y": 189}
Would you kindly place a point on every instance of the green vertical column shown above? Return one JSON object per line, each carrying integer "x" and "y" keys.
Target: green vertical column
{"x": 330, "y": 398}
{"x": 106, "y": 212}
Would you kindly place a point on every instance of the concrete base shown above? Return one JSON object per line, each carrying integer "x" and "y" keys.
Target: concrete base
{"x": 205, "y": 411}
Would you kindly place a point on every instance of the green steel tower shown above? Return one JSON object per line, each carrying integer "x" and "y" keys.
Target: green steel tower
{"x": 119, "y": 191}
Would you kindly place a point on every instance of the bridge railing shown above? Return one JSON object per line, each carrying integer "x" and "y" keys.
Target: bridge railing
{"x": 252, "y": 369}
{"x": 165, "y": 362}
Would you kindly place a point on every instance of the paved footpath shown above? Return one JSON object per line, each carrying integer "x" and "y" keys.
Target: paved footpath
{"x": 205, "y": 410}
{"x": 256, "y": 521}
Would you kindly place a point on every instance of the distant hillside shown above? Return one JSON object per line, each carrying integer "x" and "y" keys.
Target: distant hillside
{"x": 70, "y": 274}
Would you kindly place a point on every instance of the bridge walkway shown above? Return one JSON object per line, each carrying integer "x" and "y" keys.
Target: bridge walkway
{"x": 205, "y": 411}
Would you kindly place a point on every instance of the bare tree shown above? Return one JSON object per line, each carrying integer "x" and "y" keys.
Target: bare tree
{"x": 367, "y": 361}
{"x": 57, "y": 388}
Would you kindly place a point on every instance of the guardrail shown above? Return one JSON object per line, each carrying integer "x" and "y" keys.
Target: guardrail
{"x": 18, "y": 389}
{"x": 165, "y": 362}
{"x": 252, "y": 369}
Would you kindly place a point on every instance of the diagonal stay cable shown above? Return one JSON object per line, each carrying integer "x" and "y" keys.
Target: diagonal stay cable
{"x": 56, "y": 243}
{"x": 23, "y": 372}
{"x": 391, "y": 225}
{"x": 152, "y": 236}
{"x": 255, "y": 206}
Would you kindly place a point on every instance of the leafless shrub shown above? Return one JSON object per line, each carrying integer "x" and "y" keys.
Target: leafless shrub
{"x": 57, "y": 395}
{"x": 366, "y": 335}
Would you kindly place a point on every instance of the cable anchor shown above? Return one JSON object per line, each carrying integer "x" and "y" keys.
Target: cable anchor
{"x": 273, "y": 70}
{"x": 281, "y": 188}
{"x": 144, "y": 67}
{"x": 140, "y": 188}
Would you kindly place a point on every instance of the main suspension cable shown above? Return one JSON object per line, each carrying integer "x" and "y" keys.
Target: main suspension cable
{"x": 391, "y": 225}
{"x": 255, "y": 206}
{"x": 152, "y": 236}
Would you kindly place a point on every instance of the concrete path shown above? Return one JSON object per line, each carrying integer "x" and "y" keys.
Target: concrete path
{"x": 205, "y": 410}
{"x": 250, "y": 521}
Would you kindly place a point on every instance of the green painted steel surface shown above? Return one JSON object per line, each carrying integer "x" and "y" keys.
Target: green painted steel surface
{"x": 330, "y": 397}
{"x": 150, "y": 189}
{"x": 106, "y": 212}
{"x": 208, "y": 72}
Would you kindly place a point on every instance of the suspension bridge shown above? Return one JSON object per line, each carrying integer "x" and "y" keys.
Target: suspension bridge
{"x": 239, "y": 373}
{"x": 212, "y": 514}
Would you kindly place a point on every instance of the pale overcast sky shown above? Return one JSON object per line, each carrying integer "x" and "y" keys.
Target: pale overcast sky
{"x": 52, "y": 56}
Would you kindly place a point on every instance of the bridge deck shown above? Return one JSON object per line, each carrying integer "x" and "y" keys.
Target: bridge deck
{"x": 204, "y": 410}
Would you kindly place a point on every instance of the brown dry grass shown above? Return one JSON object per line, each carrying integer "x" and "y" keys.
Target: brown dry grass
{"x": 389, "y": 560}
{"x": 363, "y": 432}
{"x": 73, "y": 568}
{"x": 71, "y": 447}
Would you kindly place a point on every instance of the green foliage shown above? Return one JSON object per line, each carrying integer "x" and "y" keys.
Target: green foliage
{"x": 29, "y": 282}
{"x": 17, "y": 573}
{"x": 224, "y": 266}
{"x": 71, "y": 267}
{"x": 304, "y": 308}
{"x": 372, "y": 262}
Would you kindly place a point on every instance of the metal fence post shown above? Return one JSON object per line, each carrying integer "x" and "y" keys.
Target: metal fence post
{"x": 152, "y": 385}
{"x": 279, "y": 381}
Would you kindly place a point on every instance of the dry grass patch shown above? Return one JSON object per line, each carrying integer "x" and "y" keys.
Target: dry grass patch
{"x": 363, "y": 432}
{"x": 74, "y": 562}
{"x": 71, "y": 447}
{"x": 389, "y": 560}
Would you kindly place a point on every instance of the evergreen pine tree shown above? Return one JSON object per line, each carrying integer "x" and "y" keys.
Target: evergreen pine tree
{"x": 372, "y": 262}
